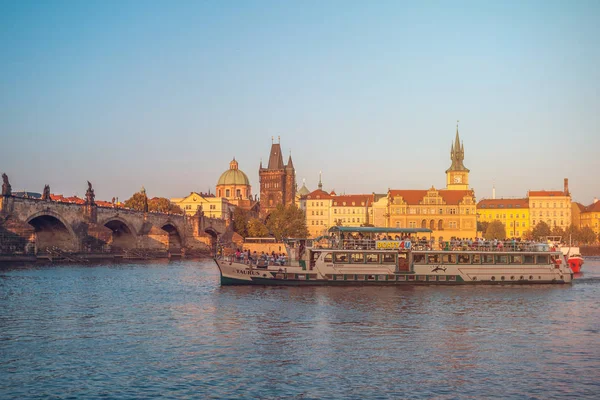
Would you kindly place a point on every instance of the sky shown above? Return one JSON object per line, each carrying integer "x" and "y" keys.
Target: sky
{"x": 163, "y": 94}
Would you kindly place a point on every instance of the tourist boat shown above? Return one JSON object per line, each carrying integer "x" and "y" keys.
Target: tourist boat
{"x": 572, "y": 253}
{"x": 355, "y": 256}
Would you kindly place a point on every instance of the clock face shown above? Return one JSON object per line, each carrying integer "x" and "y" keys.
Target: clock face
{"x": 457, "y": 179}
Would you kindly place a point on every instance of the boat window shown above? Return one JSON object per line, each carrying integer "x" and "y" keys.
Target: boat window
{"x": 372, "y": 258}
{"x": 501, "y": 259}
{"x": 487, "y": 258}
{"x": 516, "y": 259}
{"x": 528, "y": 259}
{"x": 542, "y": 260}
{"x": 340, "y": 257}
{"x": 419, "y": 258}
{"x": 328, "y": 257}
{"x": 449, "y": 259}
{"x": 359, "y": 277}
{"x": 464, "y": 259}
{"x": 357, "y": 258}
{"x": 388, "y": 258}
{"x": 433, "y": 258}
{"x": 476, "y": 259}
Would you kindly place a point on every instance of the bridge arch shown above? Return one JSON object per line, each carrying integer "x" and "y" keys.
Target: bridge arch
{"x": 52, "y": 230}
{"x": 124, "y": 235}
{"x": 175, "y": 238}
{"x": 213, "y": 238}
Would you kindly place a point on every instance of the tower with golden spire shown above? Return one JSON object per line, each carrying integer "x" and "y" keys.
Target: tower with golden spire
{"x": 457, "y": 176}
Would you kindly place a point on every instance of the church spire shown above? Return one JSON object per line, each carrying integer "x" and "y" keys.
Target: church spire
{"x": 320, "y": 183}
{"x": 457, "y": 154}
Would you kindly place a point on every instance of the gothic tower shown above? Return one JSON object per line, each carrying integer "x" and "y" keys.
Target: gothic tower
{"x": 277, "y": 181}
{"x": 457, "y": 176}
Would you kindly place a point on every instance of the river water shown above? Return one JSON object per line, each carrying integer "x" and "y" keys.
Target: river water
{"x": 169, "y": 330}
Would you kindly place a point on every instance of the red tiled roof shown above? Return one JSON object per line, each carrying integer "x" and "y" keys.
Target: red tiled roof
{"x": 534, "y": 193}
{"x": 455, "y": 196}
{"x": 580, "y": 206}
{"x": 594, "y": 207}
{"x": 103, "y": 203}
{"x": 359, "y": 200}
{"x": 503, "y": 203}
{"x": 318, "y": 194}
{"x": 409, "y": 196}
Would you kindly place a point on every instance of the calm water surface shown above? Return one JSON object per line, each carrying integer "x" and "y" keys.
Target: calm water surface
{"x": 169, "y": 330}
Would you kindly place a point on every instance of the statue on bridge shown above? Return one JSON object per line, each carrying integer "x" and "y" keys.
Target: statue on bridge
{"x": 6, "y": 188}
{"x": 89, "y": 195}
{"x": 46, "y": 193}
{"x": 145, "y": 204}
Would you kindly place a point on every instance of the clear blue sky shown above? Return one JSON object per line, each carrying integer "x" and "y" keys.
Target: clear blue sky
{"x": 164, "y": 94}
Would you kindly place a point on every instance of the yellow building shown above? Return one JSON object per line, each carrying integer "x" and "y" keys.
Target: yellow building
{"x": 379, "y": 211}
{"x": 576, "y": 210}
{"x": 551, "y": 206}
{"x": 214, "y": 207}
{"x": 351, "y": 210}
{"x": 318, "y": 207}
{"x": 448, "y": 213}
{"x": 591, "y": 217}
{"x": 513, "y": 213}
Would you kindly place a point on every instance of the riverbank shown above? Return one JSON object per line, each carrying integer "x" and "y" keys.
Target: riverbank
{"x": 83, "y": 258}
{"x": 589, "y": 251}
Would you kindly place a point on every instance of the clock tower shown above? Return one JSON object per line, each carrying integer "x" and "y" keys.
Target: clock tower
{"x": 457, "y": 176}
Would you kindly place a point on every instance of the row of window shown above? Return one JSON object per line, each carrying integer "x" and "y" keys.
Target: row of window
{"x": 549, "y": 222}
{"x": 361, "y": 258}
{"x": 417, "y": 210}
{"x": 436, "y": 259}
{"x": 560, "y": 205}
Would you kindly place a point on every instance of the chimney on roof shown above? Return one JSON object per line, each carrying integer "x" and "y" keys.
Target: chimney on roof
{"x": 493, "y": 191}
{"x": 566, "y": 190}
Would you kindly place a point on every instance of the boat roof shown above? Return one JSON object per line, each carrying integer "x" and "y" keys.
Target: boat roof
{"x": 375, "y": 229}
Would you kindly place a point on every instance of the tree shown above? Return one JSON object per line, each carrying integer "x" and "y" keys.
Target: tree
{"x": 541, "y": 231}
{"x": 240, "y": 222}
{"x": 495, "y": 230}
{"x": 482, "y": 226}
{"x": 558, "y": 231}
{"x": 136, "y": 202}
{"x": 156, "y": 204}
{"x": 164, "y": 205}
{"x": 587, "y": 235}
{"x": 256, "y": 228}
{"x": 528, "y": 235}
{"x": 286, "y": 222}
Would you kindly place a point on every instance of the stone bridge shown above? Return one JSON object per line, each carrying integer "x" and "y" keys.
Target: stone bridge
{"x": 33, "y": 226}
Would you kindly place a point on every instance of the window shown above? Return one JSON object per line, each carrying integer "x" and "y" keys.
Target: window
{"x": 412, "y": 224}
{"x": 227, "y": 192}
{"x": 448, "y": 258}
{"x": 464, "y": 259}
{"x": 419, "y": 258}
{"x": 542, "y": 260}
{"x": 501, "y": 259}
{"x": 372, "y": 258}
{"x": 313, "y": 213}
{"x": 340, "y": 257}
{"x": 433, "y": 259}
{"x": 238, "y": 193}
{"x": 528, "y": 259}
{"x": 357, "y": 258}
{"x": 476, "y": 259}
{"x": 441, "y": 211}
{"x": 452, "y": 211}
{"x": 388, "y": 258}
{"x": 487, "y": 258}
{"x": 328, "y": 257}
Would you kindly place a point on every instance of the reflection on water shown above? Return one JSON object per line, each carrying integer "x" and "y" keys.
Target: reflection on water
{"x": 170, "y": 330}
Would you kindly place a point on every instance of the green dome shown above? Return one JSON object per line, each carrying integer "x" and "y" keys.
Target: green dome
{"x": 233, "y": 176}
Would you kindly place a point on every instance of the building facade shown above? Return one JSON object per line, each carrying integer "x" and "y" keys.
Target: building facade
{"x": 277, "y": 182}
{"x": 591, "y": 217}
{"x": 551, "y": 206}
{"x": 351, "y": 210}
{"x": 210, "y": 205}
{"x": 318, "y": 211}
{"x": 513, "y": 213}
{"x": 448, "y": 213}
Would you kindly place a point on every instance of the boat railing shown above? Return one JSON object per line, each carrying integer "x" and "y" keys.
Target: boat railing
{"x": 431, "y": 245}
{"x": 258, "y": 262}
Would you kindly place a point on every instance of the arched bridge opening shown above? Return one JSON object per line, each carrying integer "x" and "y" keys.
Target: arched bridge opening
{"x": 51, "y": 232}
{"x": 123, "y": 237}
{"x": 175, "y": 241}
{"x": 213, "y": 239}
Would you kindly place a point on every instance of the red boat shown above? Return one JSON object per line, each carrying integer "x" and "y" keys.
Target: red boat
{"x": 575, "y": 262}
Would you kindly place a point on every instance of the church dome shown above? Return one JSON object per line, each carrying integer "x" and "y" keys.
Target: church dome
{"x": 303, "y": 190}
{"x": 233, "y": 176}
